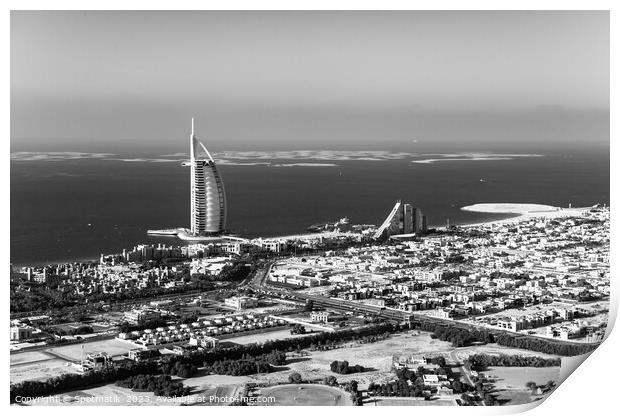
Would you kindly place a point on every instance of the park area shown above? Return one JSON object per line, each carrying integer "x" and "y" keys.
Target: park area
{"x": 375, "y": 357}
{"x": 409, "y": 401}
{"x": 305, "y": 395}
{"x": 511, "y": 382}
{"x": 312, "y": 364}
{"x": 517, "y": 377}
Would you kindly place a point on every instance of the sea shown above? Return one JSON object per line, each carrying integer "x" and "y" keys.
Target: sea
{"x": 67, "y": 207}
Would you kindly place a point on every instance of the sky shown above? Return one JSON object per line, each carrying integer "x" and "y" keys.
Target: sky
{"x": 131, "y": 81}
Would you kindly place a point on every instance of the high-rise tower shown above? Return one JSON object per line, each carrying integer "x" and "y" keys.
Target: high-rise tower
{"x": 403, "y": 219}
{"x": 207, "y": 196}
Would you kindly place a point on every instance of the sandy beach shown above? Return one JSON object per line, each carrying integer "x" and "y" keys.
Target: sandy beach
{"x": 521, "y": 212}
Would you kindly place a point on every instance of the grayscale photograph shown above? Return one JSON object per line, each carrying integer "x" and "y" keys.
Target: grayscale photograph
{"x": 306, "y": 208}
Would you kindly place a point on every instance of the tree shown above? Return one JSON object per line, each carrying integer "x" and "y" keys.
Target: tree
{"x": 440, "y": 361}
{"x": 298, "y": 329}
{"x": 343, "y": 367}
{"x": 489, "y": 399}
{"x": 234, "y": 360}
{"x": 295, "y": 378}
{"x": 457, "y": 386}
{"x": 466, "y": 399}
{"x": 353, "y": 386}
{"x": 356, "y": 398}
{"x": 330, "y": 381}
{"x": 160, "y": 385}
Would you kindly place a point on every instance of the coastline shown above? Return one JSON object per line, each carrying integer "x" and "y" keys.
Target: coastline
{"x": 521, "y": 211}
{"x": 42, "y": 263}
{"x": 518, "y": 211}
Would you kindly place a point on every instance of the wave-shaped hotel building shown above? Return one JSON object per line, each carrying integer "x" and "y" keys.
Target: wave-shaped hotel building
{"x": 404, "y": 219}
{"x": 207, "y": 196}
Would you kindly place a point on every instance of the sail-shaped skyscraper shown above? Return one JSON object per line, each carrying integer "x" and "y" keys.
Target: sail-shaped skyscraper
{"x": 207, "y": 196}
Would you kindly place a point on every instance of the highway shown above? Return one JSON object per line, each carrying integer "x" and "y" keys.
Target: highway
{"x": 258, "y": 282}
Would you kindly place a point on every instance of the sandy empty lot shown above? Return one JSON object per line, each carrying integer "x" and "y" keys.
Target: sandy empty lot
{"x": 113, "y": 347}
{"x": 28, "y": 357}
{"x": 52, "y": 362}
{"x": 377, "y": 357}
{"x": 40, "y": 370}
{"x": 461, "y": 354}
{"x": 263, "y": 336}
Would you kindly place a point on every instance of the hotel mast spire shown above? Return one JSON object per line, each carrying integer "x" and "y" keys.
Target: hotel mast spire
{"x": 192, "y": 139}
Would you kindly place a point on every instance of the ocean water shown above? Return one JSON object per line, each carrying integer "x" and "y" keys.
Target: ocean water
{"x": 77, "y": 209}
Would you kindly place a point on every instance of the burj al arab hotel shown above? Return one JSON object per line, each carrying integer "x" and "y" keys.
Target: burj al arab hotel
{"x": 207, "y": 196}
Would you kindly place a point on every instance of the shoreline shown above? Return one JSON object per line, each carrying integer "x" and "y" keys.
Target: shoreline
{"x": 518, "y": 211}
{"x": 54, "y": 262}
{"x": 521, "y": 212}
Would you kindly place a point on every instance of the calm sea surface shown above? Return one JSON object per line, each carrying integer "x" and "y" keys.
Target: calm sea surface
{"x": 76, "y": 209}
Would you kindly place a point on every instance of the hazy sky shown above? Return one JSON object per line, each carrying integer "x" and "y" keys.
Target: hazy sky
{"x": 105, "y": 80}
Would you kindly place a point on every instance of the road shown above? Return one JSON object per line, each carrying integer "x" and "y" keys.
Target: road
{"x": 258, "y": 282}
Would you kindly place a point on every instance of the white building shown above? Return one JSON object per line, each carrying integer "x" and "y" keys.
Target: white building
{"x": 141, "y": 316}
{"x": 208, "y": 199}
{"x": 241, "y": 302}
{"x": 21, "y": 332}
{"x": 322, "y": 316}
